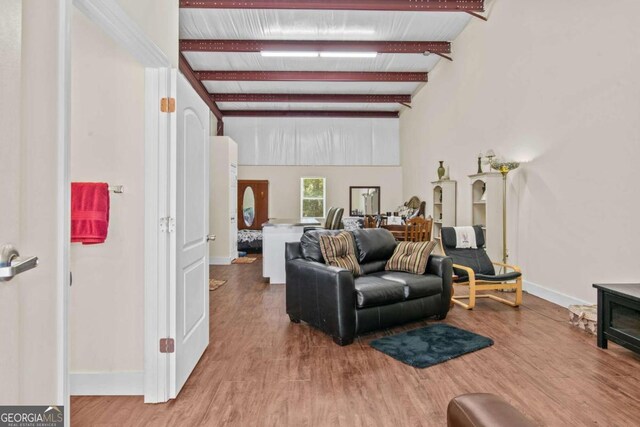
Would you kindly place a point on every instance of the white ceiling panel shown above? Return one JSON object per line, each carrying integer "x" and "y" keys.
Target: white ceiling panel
{"x": 261, "y": 24}
{"x": 230, "y": 61}
{"x": 362, "y": 88}
{"x": 325, "y": 106}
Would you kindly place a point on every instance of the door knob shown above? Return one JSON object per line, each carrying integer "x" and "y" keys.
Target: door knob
{"x": 11, "y": 264}
{"x": 211, "y": 237}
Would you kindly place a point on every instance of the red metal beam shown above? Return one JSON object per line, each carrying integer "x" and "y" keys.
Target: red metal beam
{"x": 314, "y": 46}
{"x": 386, "y": 5}
{"x": 309, "y": 113}
{"x": 185, "y": 68}
{"x": 284, "y": 97}
{"x": 317, "y": 76}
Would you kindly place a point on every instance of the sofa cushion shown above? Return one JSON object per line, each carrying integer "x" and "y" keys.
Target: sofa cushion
{"x": 340, "y": 251}
{"x": 374, "y": 244}
{"x": 373, "y": 266}
{"x": 310, "y": 244}
{"x": 372, "y": 291}
{"x": 411, "y": 257}
{"x": 415, "y": 286}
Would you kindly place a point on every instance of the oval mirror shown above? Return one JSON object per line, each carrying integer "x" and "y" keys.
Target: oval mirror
{"x": 248, "y": 207}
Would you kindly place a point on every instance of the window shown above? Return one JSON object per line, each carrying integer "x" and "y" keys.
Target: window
{"x": 312, "y": 197}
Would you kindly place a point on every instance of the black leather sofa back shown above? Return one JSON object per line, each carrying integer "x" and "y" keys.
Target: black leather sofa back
{"x": 374, "y": 246}
{"x": 310, "y": 244}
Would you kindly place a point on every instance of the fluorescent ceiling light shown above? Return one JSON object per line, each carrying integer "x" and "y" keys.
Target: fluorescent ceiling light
{"x": 348, "y": 54}
{"x": 289, "y": 54}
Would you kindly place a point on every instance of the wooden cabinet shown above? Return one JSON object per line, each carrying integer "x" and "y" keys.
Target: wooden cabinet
{"x": 486, "y": 205}
{"x": 253, "y": 204}
{"x": 444, "y": 205}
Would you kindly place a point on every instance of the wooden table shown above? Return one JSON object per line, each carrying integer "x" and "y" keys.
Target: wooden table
{"x": 396, "y": 230}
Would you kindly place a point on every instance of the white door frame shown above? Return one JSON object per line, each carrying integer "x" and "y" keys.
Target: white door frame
{"x": 159, "y": 256}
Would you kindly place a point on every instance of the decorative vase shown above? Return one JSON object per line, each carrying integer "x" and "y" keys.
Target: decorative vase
{"x": 441, "y": 170}
{"x": 446, "y": 174}
{"x": 480, "y": 164}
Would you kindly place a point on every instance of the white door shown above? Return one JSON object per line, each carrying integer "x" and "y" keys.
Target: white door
{"x": 192, "y": 228}
{"x": 34, "y": 208}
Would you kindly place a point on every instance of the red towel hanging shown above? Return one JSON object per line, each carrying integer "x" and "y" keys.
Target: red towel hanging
{"x": 89, "y": 212}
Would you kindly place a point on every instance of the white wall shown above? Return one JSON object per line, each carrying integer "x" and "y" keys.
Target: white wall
{"x": 107, "y": 145}
{"x": 159, "y": 21}
{"x": 554, "y": 84}
{"x": 284, "y": 185}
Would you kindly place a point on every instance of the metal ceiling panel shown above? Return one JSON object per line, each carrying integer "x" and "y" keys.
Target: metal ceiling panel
{"x": 229, "y": 61}
{"x": 262, "y": 24}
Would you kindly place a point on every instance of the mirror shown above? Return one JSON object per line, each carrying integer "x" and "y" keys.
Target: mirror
{"x": 248, "y": 206}
{"x": 364, "y": 201}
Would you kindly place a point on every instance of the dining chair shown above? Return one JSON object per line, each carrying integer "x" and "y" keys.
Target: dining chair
{"x": 417, "y": 229}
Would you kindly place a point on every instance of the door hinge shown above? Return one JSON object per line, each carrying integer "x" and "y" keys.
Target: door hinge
{"x": 168, "y": 105}
{"x": 167, "y": 345}
{"x": 167, "y": 224}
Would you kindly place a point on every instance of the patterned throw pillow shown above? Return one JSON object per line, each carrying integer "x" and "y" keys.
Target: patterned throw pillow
{"x": 340, "y": 251}
{"x": 411, "y": 257}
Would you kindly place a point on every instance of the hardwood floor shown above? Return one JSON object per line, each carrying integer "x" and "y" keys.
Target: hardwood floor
{"x": 262, "y": 370}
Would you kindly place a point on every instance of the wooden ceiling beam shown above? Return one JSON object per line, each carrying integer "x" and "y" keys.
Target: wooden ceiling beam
{"x": 309, "y": 113}
{"x": 321, "y": 97}
{"x": 397, "y": 47}
{"x": 381, "y": 5}
{"x": 317, "y": 76}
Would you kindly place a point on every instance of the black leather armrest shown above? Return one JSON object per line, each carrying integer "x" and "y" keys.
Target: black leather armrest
{"x": 322, "y": 296}
{"x": 442, "y": 266}
{"x": 293, "y": 250}
{"x": 311, "y": 228}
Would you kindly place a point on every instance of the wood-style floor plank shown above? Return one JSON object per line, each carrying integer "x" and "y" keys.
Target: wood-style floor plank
{"x": 262, "y": 370}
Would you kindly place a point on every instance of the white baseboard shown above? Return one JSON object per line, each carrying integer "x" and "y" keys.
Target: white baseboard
{"x": 550, "y": 295}
{"x": 220, "y": 260}
{"x": 106, "y": 383}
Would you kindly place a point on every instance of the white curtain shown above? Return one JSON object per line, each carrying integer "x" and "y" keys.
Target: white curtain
{"x": 315, "y": 141}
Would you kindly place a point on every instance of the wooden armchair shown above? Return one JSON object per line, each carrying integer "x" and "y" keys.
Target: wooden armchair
{"x": 474, "y": 269}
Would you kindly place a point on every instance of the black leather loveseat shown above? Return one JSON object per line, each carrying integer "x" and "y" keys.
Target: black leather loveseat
{"x": 330, "y": 299}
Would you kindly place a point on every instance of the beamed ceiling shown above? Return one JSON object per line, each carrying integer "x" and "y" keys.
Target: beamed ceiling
{"x": 316, "y": 58}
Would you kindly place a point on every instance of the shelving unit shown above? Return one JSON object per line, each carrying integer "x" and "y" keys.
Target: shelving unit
{"x": 486, "y": 210}
{"x": 444, "y": 206}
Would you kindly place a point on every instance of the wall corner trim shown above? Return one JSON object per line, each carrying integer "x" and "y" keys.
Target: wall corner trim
{"x": 119, "y": 383}
{"x": 113, "y": 20}
{"x": 219, "y": 260}
{"x": 551, "y": 295}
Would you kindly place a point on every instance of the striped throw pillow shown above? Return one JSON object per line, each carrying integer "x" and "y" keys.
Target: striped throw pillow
{"x": 340, "y": 251}
{"x": 411, "y": 257}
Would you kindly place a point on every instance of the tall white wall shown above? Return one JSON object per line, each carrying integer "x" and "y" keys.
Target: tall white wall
{"x": 554, "y": 84}
{"x": 284, "y": 185}
{"x": 107, "y": 144}
{"x": 159, "y": 21}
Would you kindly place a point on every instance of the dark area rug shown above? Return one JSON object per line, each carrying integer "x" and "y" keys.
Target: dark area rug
{"x": 430, "y": 345}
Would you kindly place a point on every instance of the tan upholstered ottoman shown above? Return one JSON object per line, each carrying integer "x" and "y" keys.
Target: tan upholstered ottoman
{"x": 484, "y": 410}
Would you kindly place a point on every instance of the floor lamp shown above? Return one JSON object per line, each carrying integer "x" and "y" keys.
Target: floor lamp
{"x": 504, "y": 167}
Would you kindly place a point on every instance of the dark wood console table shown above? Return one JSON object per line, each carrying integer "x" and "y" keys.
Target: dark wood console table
{"x": 619, "y": 315}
